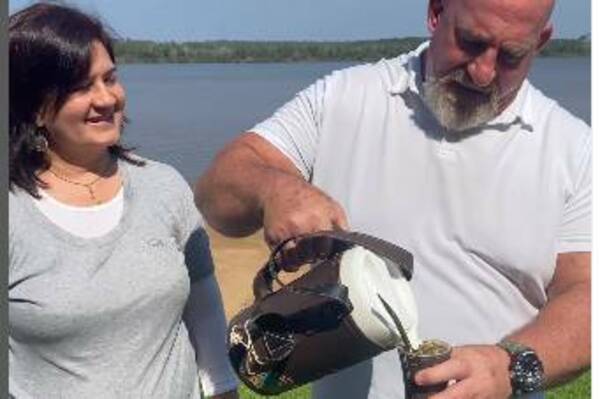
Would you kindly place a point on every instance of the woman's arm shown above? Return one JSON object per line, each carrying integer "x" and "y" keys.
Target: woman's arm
{"x": 206, "y": 324}
{"x": 203, "y": 314}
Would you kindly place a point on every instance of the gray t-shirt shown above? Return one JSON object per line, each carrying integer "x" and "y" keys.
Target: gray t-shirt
{"x": 102, "y": 317}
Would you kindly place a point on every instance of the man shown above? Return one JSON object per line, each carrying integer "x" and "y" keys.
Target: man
{"x": 451, "y": 153}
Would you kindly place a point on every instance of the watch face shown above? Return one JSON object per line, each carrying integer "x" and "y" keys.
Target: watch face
{"x": 527, "y": 373}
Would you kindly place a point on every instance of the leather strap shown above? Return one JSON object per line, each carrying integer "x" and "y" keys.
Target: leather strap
{"x": 310, "y": 248}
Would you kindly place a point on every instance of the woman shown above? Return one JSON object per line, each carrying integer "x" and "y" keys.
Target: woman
{"x": 111, "y": 285}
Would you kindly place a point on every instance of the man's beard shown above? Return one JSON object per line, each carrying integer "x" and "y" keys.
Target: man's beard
{"x": 458, "y": 104}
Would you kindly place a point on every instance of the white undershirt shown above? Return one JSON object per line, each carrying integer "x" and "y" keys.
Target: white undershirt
{"x": 82, "y": 221}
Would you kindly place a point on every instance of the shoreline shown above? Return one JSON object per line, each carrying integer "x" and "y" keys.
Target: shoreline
{"x": 236, "y": 263}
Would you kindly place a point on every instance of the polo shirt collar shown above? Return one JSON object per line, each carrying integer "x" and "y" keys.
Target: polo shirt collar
{"x": 519, "y": 110}
{"x": 409, "y": 78}
{"x": 409, "y": 73}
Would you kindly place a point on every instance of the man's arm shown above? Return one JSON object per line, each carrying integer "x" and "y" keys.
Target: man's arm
{"x": 252, "y": 184}
{"x": 560, "y": 334}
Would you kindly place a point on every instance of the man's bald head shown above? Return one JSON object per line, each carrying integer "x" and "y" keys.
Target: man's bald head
{"x": 547, "y": 7}
{"x": 537, "y": 12}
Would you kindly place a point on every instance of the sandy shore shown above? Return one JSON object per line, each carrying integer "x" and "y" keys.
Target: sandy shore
{"x": 236, "y": 263}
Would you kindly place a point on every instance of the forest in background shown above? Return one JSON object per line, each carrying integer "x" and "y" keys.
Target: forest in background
{"x": 141, "y": 51}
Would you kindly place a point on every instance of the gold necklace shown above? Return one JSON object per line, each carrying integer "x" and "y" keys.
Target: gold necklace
{"x": 88, "y": 186}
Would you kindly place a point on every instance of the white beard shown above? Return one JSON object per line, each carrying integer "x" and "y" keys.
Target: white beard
{"x": 457, "y": 104}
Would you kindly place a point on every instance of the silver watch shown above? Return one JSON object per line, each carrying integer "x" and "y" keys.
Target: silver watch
{"x": 526, "y": 370}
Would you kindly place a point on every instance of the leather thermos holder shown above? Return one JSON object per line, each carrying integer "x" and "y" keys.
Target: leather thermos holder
{"x": 304, "y": 330}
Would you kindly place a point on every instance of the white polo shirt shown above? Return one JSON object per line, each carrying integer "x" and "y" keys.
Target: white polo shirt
{"x": 484, "y": 215}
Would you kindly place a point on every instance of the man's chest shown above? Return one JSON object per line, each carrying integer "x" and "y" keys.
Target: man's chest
{"x": 498, "y": 196}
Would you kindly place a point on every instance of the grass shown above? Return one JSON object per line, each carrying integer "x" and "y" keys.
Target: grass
{"x": 300, "y": 393}
{"x": 581, "y": 388}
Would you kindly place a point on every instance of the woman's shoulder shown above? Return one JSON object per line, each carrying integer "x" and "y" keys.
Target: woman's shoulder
{"x": 153, "y": 169}
{"x": 16, "y": 202}
{"x": 19, "y": 218}
{"x": 156, "y": 176}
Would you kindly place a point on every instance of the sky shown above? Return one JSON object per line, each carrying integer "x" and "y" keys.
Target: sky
{"x": 198, "y": 20}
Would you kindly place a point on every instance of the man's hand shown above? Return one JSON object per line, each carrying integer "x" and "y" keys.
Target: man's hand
{"x": 251, "y": 184}
{"x": 479, "y": 371}
{"x": 293, "y": 207}
{"x": 482, "y": 371}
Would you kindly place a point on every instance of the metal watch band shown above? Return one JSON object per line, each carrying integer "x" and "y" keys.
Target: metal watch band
{"x": 526, "y": 370}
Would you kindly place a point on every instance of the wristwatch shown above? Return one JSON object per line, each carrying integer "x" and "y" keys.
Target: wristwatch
{"x": 526, "y": 370}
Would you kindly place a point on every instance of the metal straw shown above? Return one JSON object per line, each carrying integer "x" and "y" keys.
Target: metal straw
{"x": 397, "y": 323}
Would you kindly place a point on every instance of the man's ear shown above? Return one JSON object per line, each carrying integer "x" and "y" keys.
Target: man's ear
{"x": 545, "y": 36}
{"x": 434, "y": 11}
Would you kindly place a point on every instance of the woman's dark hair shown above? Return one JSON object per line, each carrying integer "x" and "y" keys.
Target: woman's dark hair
{"x": 49, "y": 57}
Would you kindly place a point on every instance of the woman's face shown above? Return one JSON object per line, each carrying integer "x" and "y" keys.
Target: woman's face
{"x": 92, "y": 116}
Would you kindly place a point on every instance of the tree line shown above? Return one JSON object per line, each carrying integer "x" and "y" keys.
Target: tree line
{"x": 141, "y": 51}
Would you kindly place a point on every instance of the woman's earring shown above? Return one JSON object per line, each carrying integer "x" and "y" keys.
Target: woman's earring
{"x": 40, "y": 142}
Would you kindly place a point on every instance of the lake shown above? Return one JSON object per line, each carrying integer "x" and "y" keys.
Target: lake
{"x": 182, "y": 114}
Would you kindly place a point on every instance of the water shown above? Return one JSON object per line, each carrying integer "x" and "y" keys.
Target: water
{"x": 182, "y": 114}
